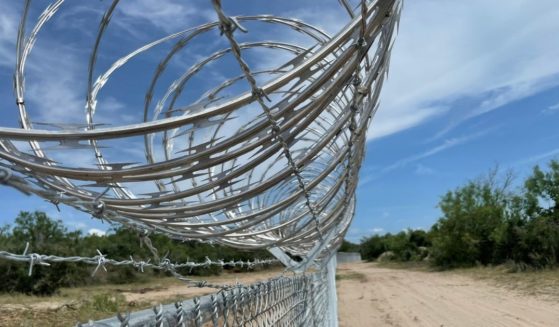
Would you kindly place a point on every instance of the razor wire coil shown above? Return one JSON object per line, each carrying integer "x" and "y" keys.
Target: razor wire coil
{"x": 272, "y": 166}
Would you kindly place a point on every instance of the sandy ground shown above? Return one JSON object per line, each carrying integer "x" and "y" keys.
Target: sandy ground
{"x": 372, "y": 296}
{"x": 186, "y": 292}
{"x": 153, "y": 294}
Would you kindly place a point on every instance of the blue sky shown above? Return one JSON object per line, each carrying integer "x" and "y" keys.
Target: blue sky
{"x": 472, "y": 84}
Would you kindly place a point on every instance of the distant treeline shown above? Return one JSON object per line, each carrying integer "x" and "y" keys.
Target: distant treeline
{"x": 486, "y": 223}
{"x": 48, "y": 236}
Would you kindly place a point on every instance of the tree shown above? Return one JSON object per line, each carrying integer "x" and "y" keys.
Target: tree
{"x": 347, "y": 246}
{"x": 407, "y": 245}
{"x": 372, "y": 247}
{"x": 542, "y": 192}
{"x": 466, "y": 234}
{"x": 539, "y": 241}
{"x": 44, "y": 236}
{"x": 48, "y": 236}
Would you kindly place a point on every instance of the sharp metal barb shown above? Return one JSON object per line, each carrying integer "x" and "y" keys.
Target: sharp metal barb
{"x": 260, "y": 158}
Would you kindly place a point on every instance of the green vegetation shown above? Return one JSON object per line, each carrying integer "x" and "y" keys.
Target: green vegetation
{"x": 409, "y": 245}
{"x": 70, "y": 305}
{"x": 349, "y": 247}
{"x": 47, "y": 236}
{"x": 484, "y": 223}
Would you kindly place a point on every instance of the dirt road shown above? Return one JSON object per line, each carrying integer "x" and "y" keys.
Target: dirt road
{"x": 373, "y": 296}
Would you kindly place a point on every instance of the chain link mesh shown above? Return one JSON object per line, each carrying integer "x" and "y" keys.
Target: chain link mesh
{"x": 274, "y": 166}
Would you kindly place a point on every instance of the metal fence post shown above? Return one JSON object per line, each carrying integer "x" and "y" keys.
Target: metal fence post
{"x": 331, "y": 289}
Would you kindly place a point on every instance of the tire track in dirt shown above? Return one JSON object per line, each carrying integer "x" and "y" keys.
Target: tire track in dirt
{"x": 393, "y": 297}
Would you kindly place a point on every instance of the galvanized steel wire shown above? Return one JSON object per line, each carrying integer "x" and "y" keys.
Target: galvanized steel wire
{"x": 263, "y": 158}
{"x": 283, "y": 301}
{"x": 279, "y": 174}
{"x": 101, "y": 261}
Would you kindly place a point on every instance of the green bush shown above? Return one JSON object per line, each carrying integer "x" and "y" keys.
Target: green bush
{"x": 483, "y": 222}
{"x": 47, "y": 236}
{"x": 349, "y": 247}
{"x": 372, "y": 247}
{"x": 465, "y": 235}
{"x": 409, "y": 245}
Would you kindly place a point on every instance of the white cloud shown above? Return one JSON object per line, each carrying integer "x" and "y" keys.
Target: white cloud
{"x": 391, "y": 124}
{"x": 95, "y": 231}
{"x": 551, "y": 109}
{"x": 168, "y": 15}
{"x": 445, "y": 145}
{"x": 55, "y": 85}
{"x": 8, "y": 33}
{"x": 328, "y": 19}
{"x": 446, "y": 51}
{"x": 537, "y": 158}
{"x": 452, "y": 50}
{"x": 423, "y": 170}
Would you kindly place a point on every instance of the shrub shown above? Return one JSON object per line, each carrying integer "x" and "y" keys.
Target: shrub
{"x": 465, "y": 235}
{"x": 48, "y": 236}
{"x": 409, "y": 245}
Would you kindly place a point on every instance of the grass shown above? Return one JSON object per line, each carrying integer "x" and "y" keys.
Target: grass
{"x": 72, "y": 305}
{"x": 542, "y": 283}
{"x": 84, "y": 292}
{"x": 351, "y": 275}
{"x": 81, "y": 304}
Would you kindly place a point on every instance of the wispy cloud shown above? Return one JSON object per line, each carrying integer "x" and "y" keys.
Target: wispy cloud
{"x": 447, "y": 144}
{"x": 392, "y": 123}
{"x": 536, "y": 158}
{"x": 330, "y": 19}
{"x": 8, "y": 33}
{"x": 449, "y": 51}
{"x": 551, "y": 109}
{"x": 423, "y": 170}
{"x": 167, "y": 15}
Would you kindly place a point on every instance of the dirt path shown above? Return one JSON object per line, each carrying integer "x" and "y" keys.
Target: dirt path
{"x": 373, "y": 296}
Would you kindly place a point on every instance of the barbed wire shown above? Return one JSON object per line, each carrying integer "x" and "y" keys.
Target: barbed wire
{"x": 227, "y": 180}
{"x": 228, "y": 25}
{"x": 230, "y": 183}
{"x": 100, "y": 261}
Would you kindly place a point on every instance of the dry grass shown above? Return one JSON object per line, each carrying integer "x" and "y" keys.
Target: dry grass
{"x": 80, "y": 304}
{"x": 410, "y": 265}
{"x": 351, "y": 275}
{"x": 72, "y": 305}
{"x": 542, "y": 283}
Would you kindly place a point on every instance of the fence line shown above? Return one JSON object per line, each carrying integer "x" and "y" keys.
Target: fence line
{"x": 227, "y": 180}
{"x": 165, "y": 264}
{"x": 282, "y": 178}
{"x": 300, "y": 300}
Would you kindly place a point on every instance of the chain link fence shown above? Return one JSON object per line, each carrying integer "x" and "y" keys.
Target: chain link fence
{"x": 283, "y": 301}
{"x": 299, "y": 300}
{"x": 265, "y": 159}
